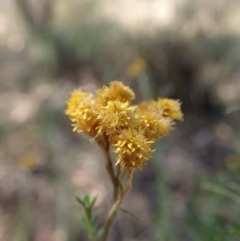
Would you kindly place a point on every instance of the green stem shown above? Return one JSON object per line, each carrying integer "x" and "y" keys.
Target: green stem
{"x": 114, "y": 209}
{"x": 104, "y": 145}
{"x": 91, "y": 227}
{"x": 110, "y": 171}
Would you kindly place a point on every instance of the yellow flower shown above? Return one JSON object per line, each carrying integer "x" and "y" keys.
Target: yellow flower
{"x": 73, "y": 101}
{"x": 152, "y": 121}
{"x": 116, "y": 91}
{"x": 171, "y": 108}
{"x": 136, "y": 67}
{"x": 148, "y": 107}
{"x": 115, "y": 116}
{"x": 84, "y": 117}
{"x": 155, "y": 127}
{"x": 132, "y": 149}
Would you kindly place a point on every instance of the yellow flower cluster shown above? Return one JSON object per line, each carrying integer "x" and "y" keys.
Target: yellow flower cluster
{"x": 129, "y": 129}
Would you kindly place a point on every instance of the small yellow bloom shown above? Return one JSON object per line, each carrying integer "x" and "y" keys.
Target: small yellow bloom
{"x": 133, "y": 149}
{"x": 171, "y": 108}
{"x": 152, "y": 121}
{"x": 115, "y": 116}
{"x": 155, "y": 127}
{"x": 136, "y": 67}
{"x": 85, "y": 116}
{"x": 149, "y": 107}
{"x": 116, "y": 91}
{"x": 75, "y": 98}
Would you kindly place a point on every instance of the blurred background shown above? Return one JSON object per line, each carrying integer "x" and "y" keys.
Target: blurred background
{"x": 183, "y": 49}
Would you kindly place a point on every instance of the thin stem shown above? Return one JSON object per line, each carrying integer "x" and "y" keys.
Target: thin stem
{"x": 111, "y": 174}
{"x": 104, "y": 145}
{"x": 118, "y": 192}
{"x": 118, "y": 171}
{"x": 114, "y": 209}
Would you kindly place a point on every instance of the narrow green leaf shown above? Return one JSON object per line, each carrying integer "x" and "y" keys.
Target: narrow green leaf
{"x": 221, "y": 191}
{"x": 234, "y": 228}
{"x": 80, "y": 201}
{"x": 130, "y": 213}
{"x": 99, "y": 233}
{"x": 86, "y": 200}
{"x": 232, "y": 109}
{"x": 93, "y": 202}
{"x": 235, "y": 187}
{"x": 84, "y": 224}
{"x": 96, "y": 216}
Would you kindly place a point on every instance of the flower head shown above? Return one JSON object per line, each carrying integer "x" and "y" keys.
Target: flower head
{"x": 116, "y": 91}
{"x": 152, "y": 121}
{"x": 170, "y": 108}
{"x": 115, "y": 116}
{"x": 133, "y": 149}
{"x": 74, "y": 100}
{"x": 83, "y": 113}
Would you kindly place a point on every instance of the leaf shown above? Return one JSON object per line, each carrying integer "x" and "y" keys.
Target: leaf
{"x": 234, "y": 228}
{"x": 87, "y": 219}
{"x": 84, "y": 223}
{"x": 99, "y": 232}
{"x": 90, "y": 207}
{"x": 232, "y": 109}
{"x": 96, "y": 216}
{"x": 221, "y": 191}
{"x": 86, "y": 200}
{"x": 80, "y": 201}
{"x": 130, "y": 213}
{"x": 234, "y": 187}
{"x": 93, "y": 202}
